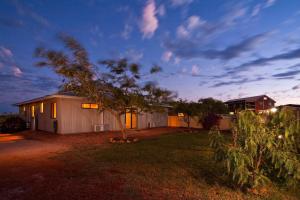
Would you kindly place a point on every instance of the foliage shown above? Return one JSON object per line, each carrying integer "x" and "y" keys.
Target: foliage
{"x": 211, "y": 106}
{"x": 13, "y": 124}
{"x": 263, "y": 149}
{"x": 210, "y": 120}
{"x": 114, "y": 84}
{"x": 189, "y": 109}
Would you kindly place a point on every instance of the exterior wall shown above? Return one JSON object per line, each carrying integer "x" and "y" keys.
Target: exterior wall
{"x": 151, "y": 120}
{"x": 175, "y": 121}
{"x": 262, "y": 104}
{"x": 72, "y": 118}
{"x": 41, "y": 121}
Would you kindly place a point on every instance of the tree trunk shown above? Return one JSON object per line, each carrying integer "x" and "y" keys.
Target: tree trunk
{"x": 123, "y": 131}
{"x": 118, "y": 117}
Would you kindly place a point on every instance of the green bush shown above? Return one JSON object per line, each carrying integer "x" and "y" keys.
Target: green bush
{"x": 263, "y": 149}
{"x": 13, "y": 124}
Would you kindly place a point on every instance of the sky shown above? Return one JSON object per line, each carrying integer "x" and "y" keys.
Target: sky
{"x": 207, "y": 48}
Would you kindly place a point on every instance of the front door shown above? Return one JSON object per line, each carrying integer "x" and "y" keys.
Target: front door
{"x": 131, "y": 118}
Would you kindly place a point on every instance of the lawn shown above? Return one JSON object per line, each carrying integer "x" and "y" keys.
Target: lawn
{"x": 174, "y": 166}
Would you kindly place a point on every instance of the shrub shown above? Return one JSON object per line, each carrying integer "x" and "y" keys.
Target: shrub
{"x": 210, "y": 121}
{"x": 263, "y": 149}
{"x": 13, "y": 124}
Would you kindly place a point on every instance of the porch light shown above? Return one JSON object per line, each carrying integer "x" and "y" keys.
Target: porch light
{"x": 274, "y": 110}
{"x": 180, "y": 115}
{"x": 280, "y": 136}
{"x": 231, "y": 113}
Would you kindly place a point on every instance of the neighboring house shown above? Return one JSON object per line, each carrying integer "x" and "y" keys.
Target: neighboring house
{"x": 294, "y": 107}
{"x": 255, "y": 103}
{"x": 64, "y": 114}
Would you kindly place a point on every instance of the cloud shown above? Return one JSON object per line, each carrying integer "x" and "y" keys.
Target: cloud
{"x": 167, "y": 55}
{"x": 292, "y": 54}
{"x": 256, "y": 10}
{"x": 17, "y": 71}
{"x": 296, "y": 87}
{"x": 195, "y": 70}
{"x": 288, "y": 74}
{"x": 149, "y": 22}
{"x": 18, "y": 88}
{"x": 127, "y": 31}
{"x": 259, "y": 7}
{"x": 180, "y": 2}
{"x": 133, "y": 55}
{"x": 194, "y": 22}
{"x": 161, "y": 11}
{"x": 188, "y": 49}
{"x": 237, "y": 82}
{"x": 26, "y": 11}
{"x": 269, "y": 3}
{"x": 5, "y": 52}
{"x": 191, "y": 24}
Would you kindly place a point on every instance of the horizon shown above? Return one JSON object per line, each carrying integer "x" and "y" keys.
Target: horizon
{"x": 240, "y": 49}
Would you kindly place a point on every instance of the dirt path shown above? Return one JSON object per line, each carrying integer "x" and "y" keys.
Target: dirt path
{"x": 28, "y": 170}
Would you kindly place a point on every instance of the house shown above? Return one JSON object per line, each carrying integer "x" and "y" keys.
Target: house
{"x": 293, "y": 107}
{"x": 66, "y": 114}
{"x": 255, "y": 103}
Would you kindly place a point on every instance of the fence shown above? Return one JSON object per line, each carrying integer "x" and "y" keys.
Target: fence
{"x": 176, "y": 121}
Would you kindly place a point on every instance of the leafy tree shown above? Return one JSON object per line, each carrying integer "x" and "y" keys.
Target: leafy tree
{"x": 263, "y": 149}
{"x": 189, "y": 109}
{"x": 211, "y": 106}
{"x": 114, "y": 84}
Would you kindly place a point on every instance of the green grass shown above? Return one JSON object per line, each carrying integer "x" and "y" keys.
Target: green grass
{"x": 175, "y": 166}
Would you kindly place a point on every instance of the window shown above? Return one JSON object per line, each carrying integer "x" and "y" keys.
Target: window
{"x": 32, "y": 111}
{"x": 53, "y": 110}
{"x": 42, "y": 107}
{"x": 89, "y": 106}
{"x": 24, "y": 108}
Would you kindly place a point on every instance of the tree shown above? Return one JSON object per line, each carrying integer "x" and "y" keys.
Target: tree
{"x": 263, "y": 149}
{"x": 189, "y": 109}
{"x": 114, "y": 84}
{"x": 211, "y": 106}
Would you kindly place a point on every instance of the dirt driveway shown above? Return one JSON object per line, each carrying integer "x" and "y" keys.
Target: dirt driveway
{"x": 27, "y": 167}
{"x": 32, "y": 144}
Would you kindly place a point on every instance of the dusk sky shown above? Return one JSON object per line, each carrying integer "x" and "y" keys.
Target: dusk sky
{"x": 207, "y": 48}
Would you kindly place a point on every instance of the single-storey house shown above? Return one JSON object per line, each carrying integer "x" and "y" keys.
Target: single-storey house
{"x": 255, "y": 103}
{"x": 67, "y": 114}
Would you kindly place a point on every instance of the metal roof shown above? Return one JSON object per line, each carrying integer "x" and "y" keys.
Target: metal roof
{"x": 250, "y": 99}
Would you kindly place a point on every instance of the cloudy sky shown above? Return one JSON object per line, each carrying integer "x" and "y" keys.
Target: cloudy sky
{"x": 207, "y": 48}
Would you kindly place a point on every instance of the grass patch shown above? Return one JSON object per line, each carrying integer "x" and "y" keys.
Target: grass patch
{"x": 175, "y": 166}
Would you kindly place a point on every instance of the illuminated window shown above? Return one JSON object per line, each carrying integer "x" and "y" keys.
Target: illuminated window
{"x": 42, "y": 107}
{"x": 53, "y": 110}
{"x": 32, "y": 111}
{"x": 24, "y": 108}
{"x": 89, "y": 106}
{"x": 94, "y": 106}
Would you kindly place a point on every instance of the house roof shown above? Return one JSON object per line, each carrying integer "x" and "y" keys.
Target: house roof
{"x": 291, "y": 105}
{"x": 55, "y": 95}
{"x": 250, "y": 99}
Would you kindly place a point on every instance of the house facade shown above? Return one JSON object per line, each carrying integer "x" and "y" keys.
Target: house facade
{"x": 255, "y": 103}
{"x": 67, "y": 114}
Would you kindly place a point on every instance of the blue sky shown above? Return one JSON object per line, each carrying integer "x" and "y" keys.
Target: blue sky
{"x": 207, "y": 48}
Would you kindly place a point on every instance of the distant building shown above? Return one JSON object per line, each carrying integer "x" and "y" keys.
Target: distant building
{"x": 293, "y": 107}
{"x": 255, "y": 103}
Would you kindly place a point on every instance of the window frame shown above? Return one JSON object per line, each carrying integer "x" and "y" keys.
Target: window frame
{"x": 53, "y": 113}
{"x": 89, "y": 106}
{"x": 42, "y": 107}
